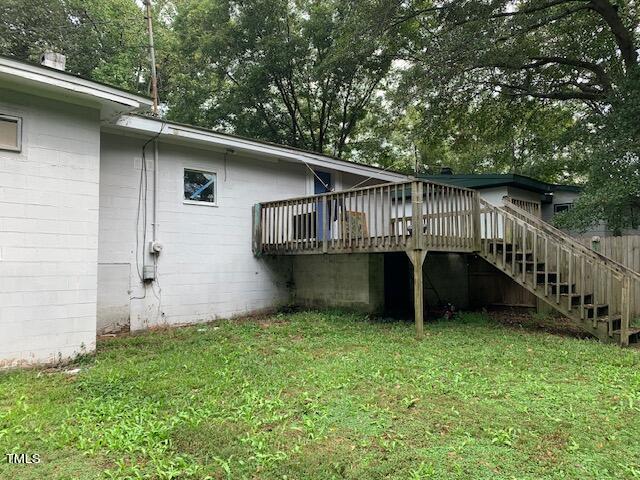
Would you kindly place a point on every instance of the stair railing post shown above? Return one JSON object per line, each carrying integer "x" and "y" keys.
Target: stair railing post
{"x": 477, "y": 233}
{"x": 416, "y": 215}
{"x": 625, "y": 311}
{"x": 257, "y": 230}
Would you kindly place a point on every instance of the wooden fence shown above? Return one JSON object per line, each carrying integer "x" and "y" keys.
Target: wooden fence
{"x": 624, "y": 250}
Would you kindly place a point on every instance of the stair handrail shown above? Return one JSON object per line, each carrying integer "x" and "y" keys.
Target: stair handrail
{"x": 550, "y": 229}
{"x": 561, "y": 239}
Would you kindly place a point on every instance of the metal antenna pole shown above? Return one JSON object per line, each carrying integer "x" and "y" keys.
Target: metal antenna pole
{"x": 152, "y": 57}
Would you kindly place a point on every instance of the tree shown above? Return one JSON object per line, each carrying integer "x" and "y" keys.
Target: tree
{"x": 298, "y": 73}
{"x": 104, "y": 41}
{"x": 575, "y": 60}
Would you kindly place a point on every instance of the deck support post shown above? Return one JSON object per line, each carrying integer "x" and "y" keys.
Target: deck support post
{"x": 257, "y": 230}
{"x": 417, "y": 255}
{"x": 417, "y": 259}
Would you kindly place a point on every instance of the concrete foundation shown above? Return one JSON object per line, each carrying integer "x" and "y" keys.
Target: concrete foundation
{"x": 353, "y": 282}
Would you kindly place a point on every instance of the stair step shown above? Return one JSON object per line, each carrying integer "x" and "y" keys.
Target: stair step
{"x": 634, "y": 335}
{"x": 529, "y": 265}
{"x": 509, "y": 247}
{"x": 551, "y": 275}
{"x": 632, "y": 331}
{"x": 563, "y": 286}
{"x": 576, "y": 298}
{"x": 602, "y": 309}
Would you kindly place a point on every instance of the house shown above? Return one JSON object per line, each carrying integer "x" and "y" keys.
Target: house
{"x": 542, "y": 198}
{"x": 113, "y": 220}
{"x": 83, "y": 208}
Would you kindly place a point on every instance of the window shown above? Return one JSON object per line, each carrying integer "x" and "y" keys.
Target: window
{"x": 10, "y": 133}
{"x": 200, "y": 187}
{"x": 561, "y": 207}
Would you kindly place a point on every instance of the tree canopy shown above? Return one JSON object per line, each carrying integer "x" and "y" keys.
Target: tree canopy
{"x": 547, "y": 88}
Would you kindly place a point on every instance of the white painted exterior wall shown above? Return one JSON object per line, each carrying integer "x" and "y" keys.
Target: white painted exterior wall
{"x": 48, "y": 231}
{"x": 206, "y": 269}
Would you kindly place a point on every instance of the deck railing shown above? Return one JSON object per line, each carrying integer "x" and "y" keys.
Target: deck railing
{"x": 378, "y": 218}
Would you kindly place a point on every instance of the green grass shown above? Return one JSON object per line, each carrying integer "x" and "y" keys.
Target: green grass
{"x": 325, "y": 395}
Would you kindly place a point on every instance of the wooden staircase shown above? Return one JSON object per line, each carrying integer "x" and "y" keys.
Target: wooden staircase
{"x": 601, "y": 296}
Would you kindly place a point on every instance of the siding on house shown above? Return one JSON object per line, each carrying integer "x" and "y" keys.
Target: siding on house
{"x": 48, "y": 231}
{"x": 206, "y": 269}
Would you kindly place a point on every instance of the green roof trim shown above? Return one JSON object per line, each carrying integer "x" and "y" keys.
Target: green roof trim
{"x": 490, "y": 180}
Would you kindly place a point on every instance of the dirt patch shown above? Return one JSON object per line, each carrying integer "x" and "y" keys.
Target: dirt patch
{"x": 525, "y": 320}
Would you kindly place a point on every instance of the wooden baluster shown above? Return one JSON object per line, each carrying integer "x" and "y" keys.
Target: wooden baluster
{"x": 427, "y": 216}
{"x": 403, "y": 224}
{"x": 299, "y": 230}
{"x": 460, "y": 218}
{"x": 582, "y": 285}
{"x": 441, "y": 232}
{"x": 559, "y": 271}
{"x": 607, "y": 300}
{"x": 325, "y": 223}
{"x": 363, "y": 216}
{"x": 514, "y": 246}
{"x": 313, "y": 221}
{"x": 494, "y": 229}
{"x": 524, "y": 253}
{"x": 282, "y": 221}
{"x": 450, "y": 213}
{"x": 375, "y": 217}
{"x": 276, "y": 225}
{"x": 485, "y": 233}
{"x": 390, "y": 241}
{"x": 273, "y": 226}
{"x": 534, "y": 235}
{"x": 287, "y": 226}
{"x": 394, "y": 222}
{"x": 570, "y": 280}
{"x": 453, "y": 202}
{"x": 546, "y": 266}
{"x": 305, "y": 225}
{"x": 445, "y": 217}
{"x": 341, "y": 218}
{"x": 353, "y": 201}
{"x": 595, "y": 284}
{"x": 369, "y": 218}
{"x": 504, "y": 241}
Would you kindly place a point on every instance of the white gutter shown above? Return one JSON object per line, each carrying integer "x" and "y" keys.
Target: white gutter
{"x": 151, "y": 126}
{"x": 25, "y": 73}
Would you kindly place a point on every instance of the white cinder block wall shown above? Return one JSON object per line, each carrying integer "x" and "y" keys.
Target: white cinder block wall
{"x": 206, "y": 269}
{"x": 48, "y": 231}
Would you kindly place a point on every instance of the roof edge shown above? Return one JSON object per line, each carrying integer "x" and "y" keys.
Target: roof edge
{"x": 145, "y": 124}
{"x": 80, "y": 86}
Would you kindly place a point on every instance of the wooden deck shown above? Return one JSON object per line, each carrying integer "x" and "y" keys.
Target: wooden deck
{"x": 591, "y": 289}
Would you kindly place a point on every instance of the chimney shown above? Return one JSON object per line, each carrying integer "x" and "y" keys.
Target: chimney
{"x": 446, "y": 171}
{"x": 53, "y": 60}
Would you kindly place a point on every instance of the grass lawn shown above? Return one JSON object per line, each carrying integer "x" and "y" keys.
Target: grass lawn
{"x": 324, "y": 395}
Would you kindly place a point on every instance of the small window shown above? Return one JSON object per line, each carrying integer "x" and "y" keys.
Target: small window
{"x": 561, "y": 207}
{"x": 10, "y": 133}
{"x": 200, "y": 187}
